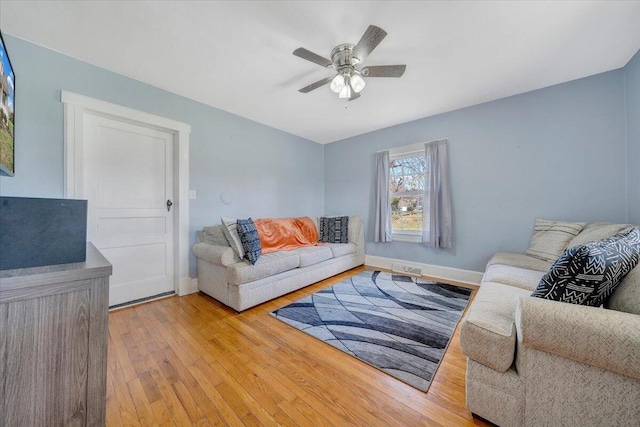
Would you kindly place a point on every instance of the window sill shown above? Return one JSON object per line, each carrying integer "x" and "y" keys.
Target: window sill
{"x": 406, "y": 237}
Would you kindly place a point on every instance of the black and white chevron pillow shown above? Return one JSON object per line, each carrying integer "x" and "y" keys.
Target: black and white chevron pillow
{"x": 334, "y": 229}
{"x": 588, "y": 274}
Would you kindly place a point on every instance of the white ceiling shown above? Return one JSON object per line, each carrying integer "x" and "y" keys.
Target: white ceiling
{"x": 237, "y": 56}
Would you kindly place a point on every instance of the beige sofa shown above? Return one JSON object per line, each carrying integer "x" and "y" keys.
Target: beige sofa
{"x": 535, "y": 362}
{"x": 240, "y": 285}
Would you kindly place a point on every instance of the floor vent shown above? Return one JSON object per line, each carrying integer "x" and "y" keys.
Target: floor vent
{"x": 410, "y": 270}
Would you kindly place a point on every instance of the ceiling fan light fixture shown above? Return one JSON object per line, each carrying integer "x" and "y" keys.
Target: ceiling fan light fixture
{"x": 349, "y": 81}
{"x": 345, "y": 93}
{"x": 337, "y": 84}
{"x": 357, "y": 83}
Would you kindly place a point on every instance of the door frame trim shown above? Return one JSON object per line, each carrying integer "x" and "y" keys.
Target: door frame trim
{"x": 76, "y": 107}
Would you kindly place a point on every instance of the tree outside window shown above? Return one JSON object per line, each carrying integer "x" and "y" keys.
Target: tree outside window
{"x": 406, "y": 190}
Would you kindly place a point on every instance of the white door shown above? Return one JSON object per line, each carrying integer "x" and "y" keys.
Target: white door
{"x": 128, "y": 179}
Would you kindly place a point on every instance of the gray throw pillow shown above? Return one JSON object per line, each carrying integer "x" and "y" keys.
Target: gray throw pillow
{"x": 215, "y": 235}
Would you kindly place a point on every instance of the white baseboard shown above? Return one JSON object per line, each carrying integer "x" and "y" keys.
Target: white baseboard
{"x": 188, "y": 286}
{"x": 436, "y": 271}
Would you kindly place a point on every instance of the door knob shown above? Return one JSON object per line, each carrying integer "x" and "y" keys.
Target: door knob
{"x": 169, "y": 204}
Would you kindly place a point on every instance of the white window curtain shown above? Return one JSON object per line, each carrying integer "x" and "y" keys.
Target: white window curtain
{"x": 383, "y": 203}
{"x": 436, "y": 216}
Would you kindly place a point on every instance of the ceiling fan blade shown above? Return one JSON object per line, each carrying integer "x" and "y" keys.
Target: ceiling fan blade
{"x": 313, "y": 57}
{"x": 370, "y": 39}
{"x": 354, "y": 96}
{"x": 384, "y": 71}
{"x": 315, "y": 85}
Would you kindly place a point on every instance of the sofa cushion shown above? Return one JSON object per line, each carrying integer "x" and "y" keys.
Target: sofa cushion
{"x": 356, "y": 230}
{"x": 513, "y": 276}
{"x": 597, "y": 231}
{"x": 588, "y": 274}
{"x": 250, "y": 239}
{"x": 495, "y": 396}
{"x": 334, "y": 229}
{"x": 267, "y": 265}
{"x": 520, "y": 261}
{"x": 488, "y": 331}
{"x": 214, "y": 236}
{"x": 341, "y": 249}
{"x": 550, "y": 238}
{"x": 626, "y": 296}
{"x": 313, "y": 255}
{"x": 230, "y": 230}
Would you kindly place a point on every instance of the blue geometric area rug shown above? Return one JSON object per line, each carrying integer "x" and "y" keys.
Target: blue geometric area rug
{"x": 398, "y": 324}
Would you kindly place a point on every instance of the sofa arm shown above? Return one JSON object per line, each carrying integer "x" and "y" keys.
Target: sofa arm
{"x": 215, "y": 254}
{"x": 356, "y": 231}
{"x": 607, "y": 339}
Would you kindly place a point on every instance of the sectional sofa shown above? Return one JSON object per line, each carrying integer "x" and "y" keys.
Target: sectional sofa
{"x": 240, "y": 285}
{"x": 536, "y": 362}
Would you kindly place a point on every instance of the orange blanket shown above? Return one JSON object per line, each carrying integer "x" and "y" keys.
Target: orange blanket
{"x": 278, "y": 234}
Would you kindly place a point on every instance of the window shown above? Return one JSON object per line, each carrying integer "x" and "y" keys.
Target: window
{"x": 407, "y": 168}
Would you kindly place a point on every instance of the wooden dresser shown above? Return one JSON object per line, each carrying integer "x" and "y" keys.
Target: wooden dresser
{"x": 53, "y": 343}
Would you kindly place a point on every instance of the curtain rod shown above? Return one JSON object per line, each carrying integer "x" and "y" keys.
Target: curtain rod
{"x": 408, "y": 145}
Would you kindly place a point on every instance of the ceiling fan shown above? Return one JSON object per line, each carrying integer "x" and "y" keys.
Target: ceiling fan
{"x": 349, "y": 82}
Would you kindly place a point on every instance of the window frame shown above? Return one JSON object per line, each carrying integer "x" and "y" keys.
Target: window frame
{"x": 412, "y": 236}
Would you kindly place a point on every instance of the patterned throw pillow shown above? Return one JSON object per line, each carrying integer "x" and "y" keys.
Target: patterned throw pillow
{"x": 250, "y": 239}
{"x": 588, "y": 274}
{"x": 550, "y": 238}
{"x": 334, "y": 229}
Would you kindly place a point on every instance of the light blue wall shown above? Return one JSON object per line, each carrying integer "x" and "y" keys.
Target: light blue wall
{"x": 271, "y": 173}
{"x": 556, "y": 153}
{"x": 632, "y": 98}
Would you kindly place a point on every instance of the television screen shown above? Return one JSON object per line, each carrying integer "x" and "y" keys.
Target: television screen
{"x": 7, "y": 92}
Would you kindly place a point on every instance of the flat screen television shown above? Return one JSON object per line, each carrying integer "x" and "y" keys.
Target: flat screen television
{"x": 7, "y": 116}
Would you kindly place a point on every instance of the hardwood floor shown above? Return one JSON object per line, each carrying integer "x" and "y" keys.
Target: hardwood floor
{"x": 192, "y": 361}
